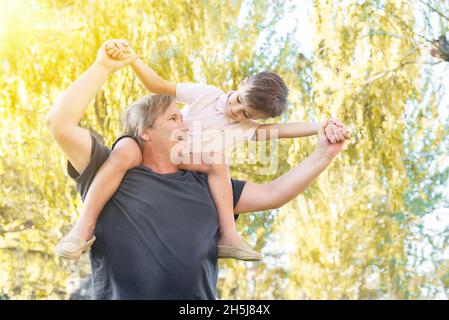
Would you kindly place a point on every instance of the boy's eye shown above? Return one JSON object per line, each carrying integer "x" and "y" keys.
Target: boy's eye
{"x": 238, "y": 99}
{"x": 246, "y": 115}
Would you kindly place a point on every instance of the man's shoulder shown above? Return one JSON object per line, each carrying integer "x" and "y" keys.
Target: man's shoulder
{"x": 199, "y": 175}
{"x": 99, "y": 154}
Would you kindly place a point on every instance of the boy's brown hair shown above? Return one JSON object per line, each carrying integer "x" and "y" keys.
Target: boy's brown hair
{"x": 267, "y": 92}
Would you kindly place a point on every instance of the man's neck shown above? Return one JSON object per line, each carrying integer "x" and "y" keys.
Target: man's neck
{"x": 159, "y": 162}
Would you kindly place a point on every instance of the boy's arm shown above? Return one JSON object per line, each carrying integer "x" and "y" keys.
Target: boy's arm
{"x": 285, "y": 130}
{"x": 151, "y": 80}
{"x": 335, "y": 131}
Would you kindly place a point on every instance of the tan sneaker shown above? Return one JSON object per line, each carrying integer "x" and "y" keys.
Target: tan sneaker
{"x": 72, "y": 247}
{"x": 244, "y": 253}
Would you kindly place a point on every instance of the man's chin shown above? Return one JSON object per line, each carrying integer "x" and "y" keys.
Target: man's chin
{"x": 178, "y": 145}
{"x": 177, "y": 151}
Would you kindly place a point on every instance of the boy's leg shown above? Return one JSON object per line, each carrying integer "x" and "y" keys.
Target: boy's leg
{"x": 125, "y": 156}
{"x": 221, "y": 190}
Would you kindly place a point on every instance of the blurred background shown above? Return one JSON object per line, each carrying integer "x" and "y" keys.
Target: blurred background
{"x": 375, "y": 224}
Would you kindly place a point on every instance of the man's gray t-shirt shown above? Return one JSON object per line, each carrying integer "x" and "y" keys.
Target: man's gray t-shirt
{"x": 157, "y": 237}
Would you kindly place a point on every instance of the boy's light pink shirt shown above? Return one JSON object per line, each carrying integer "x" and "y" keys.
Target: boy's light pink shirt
{"x": 204, "y": 115}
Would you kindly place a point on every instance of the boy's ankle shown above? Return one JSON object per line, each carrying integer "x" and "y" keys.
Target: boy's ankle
{"x": 84, "y": 231}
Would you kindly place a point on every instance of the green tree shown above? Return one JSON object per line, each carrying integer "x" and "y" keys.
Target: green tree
{"x": 352, "y": 234}
{"x": 44, "y": 47}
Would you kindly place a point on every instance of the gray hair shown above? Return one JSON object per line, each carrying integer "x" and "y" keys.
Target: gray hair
{"x": 142, "y": 113}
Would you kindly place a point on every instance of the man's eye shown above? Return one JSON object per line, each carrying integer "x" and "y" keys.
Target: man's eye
{"x": 246, "y": 115}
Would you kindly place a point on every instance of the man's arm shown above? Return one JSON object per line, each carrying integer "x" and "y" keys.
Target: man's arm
{"x": 64, "y": 116}
{"x": 276, "y": 193}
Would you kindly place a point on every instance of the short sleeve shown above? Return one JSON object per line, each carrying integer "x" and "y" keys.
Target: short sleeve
{"x": 194, "y": 93}
{"x": 99, "y": 154}
{"x": 237, "y": 189}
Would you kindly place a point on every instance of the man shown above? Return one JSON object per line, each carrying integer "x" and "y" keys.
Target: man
{"x": 157, "y": 236}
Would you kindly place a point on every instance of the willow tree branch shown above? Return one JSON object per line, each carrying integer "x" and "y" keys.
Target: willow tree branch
{"x": 435, "y": 10}
{"x": 28, "y": 224}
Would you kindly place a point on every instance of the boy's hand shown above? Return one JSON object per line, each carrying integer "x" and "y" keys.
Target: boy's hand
{"x": 120, "y": 50}
{"x": 336, "y": 131}
{"x": 112, "y": 64}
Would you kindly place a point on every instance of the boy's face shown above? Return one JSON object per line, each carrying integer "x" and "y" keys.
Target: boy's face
{"x": 237, "y": 110}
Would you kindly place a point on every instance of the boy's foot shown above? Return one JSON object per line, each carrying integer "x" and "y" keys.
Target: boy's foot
{"x": 73, "y": 246}
{"x": 241, "y": 252}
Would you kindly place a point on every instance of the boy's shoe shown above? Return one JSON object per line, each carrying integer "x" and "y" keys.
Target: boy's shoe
{"x": 72, "y": 247}
{"x": 243, "y": 252}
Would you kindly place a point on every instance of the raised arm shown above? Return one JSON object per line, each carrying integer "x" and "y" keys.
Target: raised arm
{"x": 276, "y": 193}
{"x": 66, "y": 113}
{"x": 150, "y": 79}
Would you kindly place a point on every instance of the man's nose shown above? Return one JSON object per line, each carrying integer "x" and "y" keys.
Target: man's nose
{"x": 183, "y": 126}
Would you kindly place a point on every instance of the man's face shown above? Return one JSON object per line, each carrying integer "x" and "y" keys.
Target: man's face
{"x": 168, "y": 129}
{"x": 238, "y": 110}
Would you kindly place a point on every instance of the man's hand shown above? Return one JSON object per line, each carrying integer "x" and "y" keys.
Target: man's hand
{"x": 274, "y": 194}
{"x": 325, "y": 147}
{"x": 120, "y": 50}
{"x": 110, "y": 63}
{"x": 336, "y": 131}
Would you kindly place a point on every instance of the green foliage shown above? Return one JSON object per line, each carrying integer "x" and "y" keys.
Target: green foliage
{"x": 348, "y": 236}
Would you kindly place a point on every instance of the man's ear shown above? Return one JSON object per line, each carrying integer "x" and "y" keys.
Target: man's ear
{"x": 145, "y": 135}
